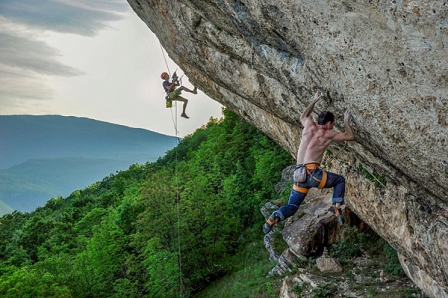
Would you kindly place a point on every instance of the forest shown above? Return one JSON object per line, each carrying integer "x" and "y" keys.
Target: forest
{"x": 167, "y": 228}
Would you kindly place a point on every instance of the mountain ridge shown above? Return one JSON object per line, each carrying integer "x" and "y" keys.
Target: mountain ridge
{"x": 70, "y": 136}
{"x": 42, "y": 157}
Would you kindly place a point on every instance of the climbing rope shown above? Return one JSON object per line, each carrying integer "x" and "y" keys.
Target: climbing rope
{"x": 166, "y": 63}
{"x": 327, "y": 162}
{"x": 253, "y": 53}
{"x": 174, "y": 119}
{"x": 439, "y": 214}
{"x": 181, "y": 283}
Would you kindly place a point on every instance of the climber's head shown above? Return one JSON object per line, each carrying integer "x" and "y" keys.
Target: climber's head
{"x": 164, "y": 75}
{"x": 325, "y": 117}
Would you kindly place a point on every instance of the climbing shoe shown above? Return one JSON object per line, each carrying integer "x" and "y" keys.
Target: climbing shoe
{"x": 340, "y": 219}
{"x": 184, "y": 116}
{"x": 336, "y": 211}
{"x": 272, "y": 220}
{"x": 195, "y": 90}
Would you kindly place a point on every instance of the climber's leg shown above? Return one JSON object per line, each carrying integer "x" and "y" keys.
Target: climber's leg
{"x": 295, "y": 199}
{"x": 183, "y": 88}
{"x": 338, "y": 183}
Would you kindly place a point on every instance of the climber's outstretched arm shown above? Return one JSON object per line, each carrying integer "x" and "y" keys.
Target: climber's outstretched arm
{"x": 348, "y": 134}
{"x": 171, "y": 87}
{"x": 306, "y": 114}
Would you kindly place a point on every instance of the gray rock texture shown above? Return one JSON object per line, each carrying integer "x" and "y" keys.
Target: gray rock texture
{"x": 384, "y": 61}
{"x": 313, "y": 226}
{"x": 308, "y": 232}
{"x": 327, "y": 264}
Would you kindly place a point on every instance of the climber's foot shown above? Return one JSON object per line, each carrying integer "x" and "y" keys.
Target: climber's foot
{"x": 338, "y": 213}
{"x": 340, "y": 219}
{"x": 272, "y": 220}
{"x": 184, "y": 116}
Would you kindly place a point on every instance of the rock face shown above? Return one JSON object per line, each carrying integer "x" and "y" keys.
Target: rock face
{"x": 327, "y": 264}
{"x": 313, "y": 226}
{"x": 384, "y": 61}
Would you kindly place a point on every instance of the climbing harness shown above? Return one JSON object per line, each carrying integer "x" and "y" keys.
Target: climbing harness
{"x": 308, "y": 167}
{"x": 315, "y": 166}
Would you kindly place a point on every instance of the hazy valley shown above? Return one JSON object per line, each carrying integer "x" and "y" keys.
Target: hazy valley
{"x": 43, "y": 157}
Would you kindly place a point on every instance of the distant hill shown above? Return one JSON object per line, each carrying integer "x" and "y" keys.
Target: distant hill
{"x": 27, "y": 137}
{"x": 48, "y": 156}
{"x": 4, "y": 208}
{"x": 32, "y": 183}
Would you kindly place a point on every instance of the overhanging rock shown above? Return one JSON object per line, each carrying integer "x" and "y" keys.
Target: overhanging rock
{"x": 384, "y": 61}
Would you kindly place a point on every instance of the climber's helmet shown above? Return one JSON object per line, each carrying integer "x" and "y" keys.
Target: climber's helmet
{"x": 164, "y": 75}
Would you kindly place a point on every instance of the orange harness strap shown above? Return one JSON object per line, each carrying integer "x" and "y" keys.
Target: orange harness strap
{"x": 312, "y": 166}
{"x": 323, "y": 181}
{"x": 300, "y": 189}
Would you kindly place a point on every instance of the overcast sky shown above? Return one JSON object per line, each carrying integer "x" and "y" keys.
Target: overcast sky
{"x": 93, "y": 59}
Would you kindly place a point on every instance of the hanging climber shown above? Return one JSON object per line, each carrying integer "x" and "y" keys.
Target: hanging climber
{"x": 315, "y": 139}
{"x": 173, "y": 93}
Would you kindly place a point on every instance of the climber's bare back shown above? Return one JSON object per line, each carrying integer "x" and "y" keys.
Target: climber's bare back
{"x": 315, "y": 139}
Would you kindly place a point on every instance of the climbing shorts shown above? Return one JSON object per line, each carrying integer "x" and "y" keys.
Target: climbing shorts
{"x": 174, "y": 94}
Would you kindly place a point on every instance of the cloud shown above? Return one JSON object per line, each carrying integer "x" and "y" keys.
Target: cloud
{"x": 13, "y": 95}
{"x": 28, "y": 54}
{"x": 65, "y": 16}
{"x": 18, "y": 87}
{"x": 26, "y": 61}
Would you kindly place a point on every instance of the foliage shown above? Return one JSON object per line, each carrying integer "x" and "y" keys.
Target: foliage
{"x": 162, "y": 229}
{"x": 351, "y": 246}
{"x": 248, "y": 275}
{"x": 297, "y": 289}
{"x": 279, "y": 243}
{"x": 324, "y": 290}
{"x": 393, "y": 265}
{"x": 357, "y": 242}
{"x": 379, "y": 181}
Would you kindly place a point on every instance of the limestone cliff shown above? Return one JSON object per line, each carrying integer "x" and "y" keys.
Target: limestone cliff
{"x": 384, "y": 61}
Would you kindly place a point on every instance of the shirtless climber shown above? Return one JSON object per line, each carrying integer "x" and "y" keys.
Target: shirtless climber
{"x": 173, "y": 93}
{"x": 315, "y": 139}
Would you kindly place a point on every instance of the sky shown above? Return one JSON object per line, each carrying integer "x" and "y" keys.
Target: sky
{"x": 93, "y": 59}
